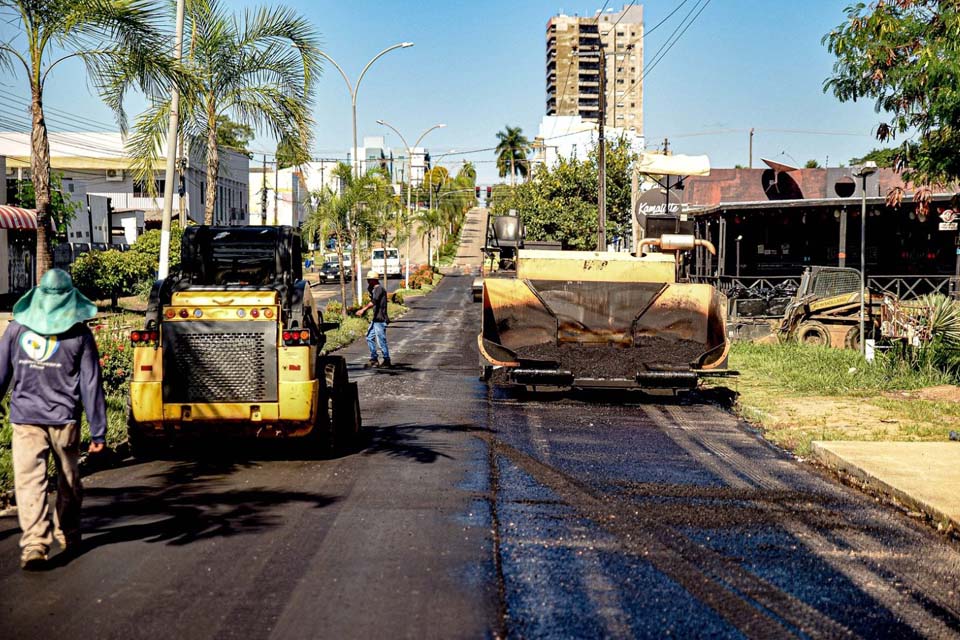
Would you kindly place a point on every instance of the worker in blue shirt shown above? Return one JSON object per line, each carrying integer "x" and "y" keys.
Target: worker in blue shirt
{"x": 50, "y": 363}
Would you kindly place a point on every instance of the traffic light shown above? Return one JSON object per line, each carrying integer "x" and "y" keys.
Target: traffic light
{"x": 489, "y": 192}
{"x": 478, "y": 193}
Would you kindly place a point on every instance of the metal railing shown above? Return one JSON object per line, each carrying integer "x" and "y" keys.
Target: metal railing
{"x": 903, "y": 287}
{"x": 909, "y": 286}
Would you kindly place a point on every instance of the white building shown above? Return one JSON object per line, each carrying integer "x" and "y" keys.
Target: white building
{"x": 573, "y": 137}
{"x": 286, "y": 204}
{"x": 96, "y": 165}
{"x": 374, "y": 153}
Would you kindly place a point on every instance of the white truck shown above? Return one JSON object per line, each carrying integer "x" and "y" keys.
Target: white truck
{"x": 386, "y": 261}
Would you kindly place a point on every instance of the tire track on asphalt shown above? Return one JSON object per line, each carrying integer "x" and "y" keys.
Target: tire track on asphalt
{"x": 652, "y": 546}
{"x": 600, "y": 589}
{"x": 733, "y": 466}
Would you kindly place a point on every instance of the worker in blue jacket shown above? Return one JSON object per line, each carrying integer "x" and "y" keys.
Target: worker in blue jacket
{"x": 49, "y": 361}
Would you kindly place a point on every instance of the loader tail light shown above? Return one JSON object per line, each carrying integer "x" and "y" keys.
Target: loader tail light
{"x": 268, "y": 313}
{"x": 144, "y": 338}
{"x": 169, "y": 313}
{"x": 254, "y": 313}
{"x": 296, "y": 338}
{"x": 184, "y": 313}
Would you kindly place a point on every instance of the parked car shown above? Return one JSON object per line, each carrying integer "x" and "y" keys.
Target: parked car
{"x": 330, "y": 272}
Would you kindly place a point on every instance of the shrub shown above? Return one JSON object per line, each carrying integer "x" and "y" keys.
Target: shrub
{"x": 333, "y": 308}
{"x": 116, "y": 356}
{"x": 396, "y": 297}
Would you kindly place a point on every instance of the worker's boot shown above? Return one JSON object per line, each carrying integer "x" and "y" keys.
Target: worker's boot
{"x": 372, "y": 364}
{"x": 33, "y": 558}
{"x": 386, "y": 364}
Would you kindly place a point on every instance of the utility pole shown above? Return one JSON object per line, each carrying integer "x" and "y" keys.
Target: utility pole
{"x": 172, "y": 127}
{"x": 263, "y": 193}
{"x": 666, "y": 147}
{"x": 602, "y": 157}
{"x": 276, "y": 191}
{"x": 750, "y": 163}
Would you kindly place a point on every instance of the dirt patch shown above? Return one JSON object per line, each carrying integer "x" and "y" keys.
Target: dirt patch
{"x": 941, "y": 393}
{"x": 611, "y": 361}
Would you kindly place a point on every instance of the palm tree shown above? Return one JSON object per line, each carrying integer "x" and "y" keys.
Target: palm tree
{"x": 114, "y": 38}
{"x": 331, "y": 216}
{"x": 258, "y": 69}
{"x": 427, "y": 221}
{"x": 512, "y": 151}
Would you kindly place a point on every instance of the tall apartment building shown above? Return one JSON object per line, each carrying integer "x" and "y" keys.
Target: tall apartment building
{"x": 573, "y": 67}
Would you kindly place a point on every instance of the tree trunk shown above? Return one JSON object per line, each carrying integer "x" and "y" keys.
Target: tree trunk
{"x": 213, "y": 171}
{"x": 513, "y": 170}
{"x": 343, "y": 276}
{"x": 40, "y": 176}
{"x": 355, "y": 264}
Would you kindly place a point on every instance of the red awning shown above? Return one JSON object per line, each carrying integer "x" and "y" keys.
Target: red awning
{"x": 17, "y": 218}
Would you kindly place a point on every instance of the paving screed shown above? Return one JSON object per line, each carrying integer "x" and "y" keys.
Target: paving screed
{"x": 475, "y": 511}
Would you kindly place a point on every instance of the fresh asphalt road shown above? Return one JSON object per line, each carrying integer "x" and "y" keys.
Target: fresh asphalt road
{"x": 475, "y": 512}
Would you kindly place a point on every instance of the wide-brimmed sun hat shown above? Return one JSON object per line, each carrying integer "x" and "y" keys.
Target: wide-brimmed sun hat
{"x": 54, "y": 306}
{"x": 373, "y": 274}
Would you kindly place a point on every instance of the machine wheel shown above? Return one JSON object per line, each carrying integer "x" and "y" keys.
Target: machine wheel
{"x": 852, "y": 339}
{"x": 485, "y": 372}
{"x": 814, "y": 333}
{"x": 342, "y": 425}
{"x": 347, "y": 421}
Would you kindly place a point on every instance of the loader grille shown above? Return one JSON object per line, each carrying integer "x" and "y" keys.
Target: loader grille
{"x": 220, "y": 362}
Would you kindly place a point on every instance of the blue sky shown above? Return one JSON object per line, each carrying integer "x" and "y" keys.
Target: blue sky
{"x": 478, "y": 66}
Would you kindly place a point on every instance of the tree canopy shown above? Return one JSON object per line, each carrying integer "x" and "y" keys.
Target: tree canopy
{"x": 559, "y": 203}
{"x": 512, "y": 151}
{"x": 234, "y": 136}
{"x": 885, "y": 158}
{"x": 905, "y": 55}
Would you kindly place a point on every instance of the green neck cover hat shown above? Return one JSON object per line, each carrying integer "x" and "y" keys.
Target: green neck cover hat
{"x": 54, "y": 306}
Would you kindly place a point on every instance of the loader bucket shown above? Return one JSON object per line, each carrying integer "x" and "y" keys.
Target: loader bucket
{"x": 660, "y": 334}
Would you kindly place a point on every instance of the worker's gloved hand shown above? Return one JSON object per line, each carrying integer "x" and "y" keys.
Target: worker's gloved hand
{"x": 359, "y": 313}
{"x": 96, "y": 447}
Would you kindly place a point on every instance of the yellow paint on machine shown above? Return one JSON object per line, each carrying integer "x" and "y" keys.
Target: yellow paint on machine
{"x": 593, "y": 266}
{"x": 224, "y": 298}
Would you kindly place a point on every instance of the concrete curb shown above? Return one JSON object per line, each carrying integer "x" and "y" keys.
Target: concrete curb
{"x": 919, "y": 494}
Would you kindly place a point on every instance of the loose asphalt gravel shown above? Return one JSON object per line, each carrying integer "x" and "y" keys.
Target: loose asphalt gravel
{"x": 481, "y": 512}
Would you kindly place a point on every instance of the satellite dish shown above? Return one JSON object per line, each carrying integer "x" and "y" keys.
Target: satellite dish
{"x": 779, "y": 166}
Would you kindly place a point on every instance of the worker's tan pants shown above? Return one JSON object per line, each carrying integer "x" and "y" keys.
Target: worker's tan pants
{"x": 31, "y": 446}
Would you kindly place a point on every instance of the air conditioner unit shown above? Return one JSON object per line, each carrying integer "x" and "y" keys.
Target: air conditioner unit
{"x": 114, "y": 175}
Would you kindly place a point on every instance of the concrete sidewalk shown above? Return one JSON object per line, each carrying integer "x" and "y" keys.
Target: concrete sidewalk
{"x": 921, "y": 476}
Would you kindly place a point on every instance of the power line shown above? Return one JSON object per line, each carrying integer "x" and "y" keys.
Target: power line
{"x": 668, "y": 45}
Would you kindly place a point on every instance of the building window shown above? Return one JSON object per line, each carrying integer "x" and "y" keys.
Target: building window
{"x": 140, "y": 188}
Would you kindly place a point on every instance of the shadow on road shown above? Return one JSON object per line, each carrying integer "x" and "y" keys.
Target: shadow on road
{"x": 411, "y": 441}
{"x": 185, "y": 503}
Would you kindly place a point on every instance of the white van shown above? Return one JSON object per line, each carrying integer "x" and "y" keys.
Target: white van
{"x": 386, "y": 263}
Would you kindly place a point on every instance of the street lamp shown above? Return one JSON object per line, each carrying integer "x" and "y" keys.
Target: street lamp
{"x": 862, "y": 172}
{"x": 353, "y": 88}
{"x": 409, "y": 175}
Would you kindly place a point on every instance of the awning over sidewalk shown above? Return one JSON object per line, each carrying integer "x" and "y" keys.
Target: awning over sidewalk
{"x": 17, "y": 218}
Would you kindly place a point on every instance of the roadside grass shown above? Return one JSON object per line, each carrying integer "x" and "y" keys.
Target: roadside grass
{"x": 797, "y": 394}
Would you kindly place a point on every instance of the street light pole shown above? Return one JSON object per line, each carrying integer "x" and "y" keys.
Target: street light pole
{"x": 409, "y": 176}
{"x": 163, "y": 269}
{"x": 868, "y": 169}
{"x": 353, "y": 88}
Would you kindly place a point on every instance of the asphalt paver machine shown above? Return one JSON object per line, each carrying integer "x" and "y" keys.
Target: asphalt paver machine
{"x": 602, "y": 319}
{"x": 232, "y": 346}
